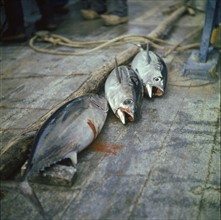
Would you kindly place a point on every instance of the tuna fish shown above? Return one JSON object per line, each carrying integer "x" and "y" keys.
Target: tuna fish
{"x": 124, "y": 92}
{"x": 68, "y": 131}
{"x": 152, "y": 70}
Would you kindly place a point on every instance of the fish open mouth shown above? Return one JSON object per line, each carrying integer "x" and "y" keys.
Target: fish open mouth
{"x": 157, "y": 91}
{"x": 124, "y": 115}
{"x": 154, "y": 90}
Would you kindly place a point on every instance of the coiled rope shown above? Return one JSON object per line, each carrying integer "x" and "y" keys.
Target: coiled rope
{"x": 58, "y": 40}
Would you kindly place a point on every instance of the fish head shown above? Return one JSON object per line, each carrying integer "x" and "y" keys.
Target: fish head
{"x": 124, "y": 92}
{"x": 156, "y": 84}
{"x": 152, "y": 71}
{"x": 131, "y": 95}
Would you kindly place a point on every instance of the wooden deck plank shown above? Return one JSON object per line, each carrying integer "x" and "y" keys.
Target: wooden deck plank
{"x": 164, "y": 166}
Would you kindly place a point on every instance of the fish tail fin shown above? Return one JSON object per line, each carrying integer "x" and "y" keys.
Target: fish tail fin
{"x": 25, "y": 189}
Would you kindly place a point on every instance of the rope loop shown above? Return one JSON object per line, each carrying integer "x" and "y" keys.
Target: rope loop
{"x": 136, "y": 39}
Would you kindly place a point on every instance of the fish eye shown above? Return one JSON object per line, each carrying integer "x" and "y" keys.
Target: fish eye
{"x": 128, "y": 101}
{"x": 157, "y": 79}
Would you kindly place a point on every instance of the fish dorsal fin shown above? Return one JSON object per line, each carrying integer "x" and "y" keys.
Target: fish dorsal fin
{"x": 117, "y": 71}
{"x": 145, "y": 47}
{"x": 148, "y": 54}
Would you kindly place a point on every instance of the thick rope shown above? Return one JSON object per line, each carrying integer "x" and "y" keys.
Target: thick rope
{"x": 54, "y": 40}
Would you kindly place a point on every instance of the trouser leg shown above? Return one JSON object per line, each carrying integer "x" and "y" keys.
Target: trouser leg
{"x": 14, "y": 14}
{"x": 47, "y": 21}
{"x": 117, "y": 7}
{"x": 45, "y": 9}
{"x": 85, "y": 4}
{"x": 98, "y": 6}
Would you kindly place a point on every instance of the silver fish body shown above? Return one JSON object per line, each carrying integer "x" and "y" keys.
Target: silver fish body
{"x": 67, "y": 131}
{"x": 152, "y": 70}
{"x": 124, "y": 92}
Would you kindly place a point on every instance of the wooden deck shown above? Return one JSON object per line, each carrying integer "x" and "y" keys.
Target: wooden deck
{"x": 165, "y": 166}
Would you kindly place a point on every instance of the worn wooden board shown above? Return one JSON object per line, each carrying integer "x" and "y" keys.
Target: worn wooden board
{"x": 91, "y": 85}
{"x": 164, "y": 166}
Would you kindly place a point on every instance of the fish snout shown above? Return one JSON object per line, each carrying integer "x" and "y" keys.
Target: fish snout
{"x": 125, "y": 114}
{"x": 155, "y": 87}
{"x": 158, "y": 91}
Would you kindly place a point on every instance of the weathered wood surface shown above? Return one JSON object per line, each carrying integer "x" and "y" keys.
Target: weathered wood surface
{"x": 9, "y": 165}
{"x": 164, "y": 166}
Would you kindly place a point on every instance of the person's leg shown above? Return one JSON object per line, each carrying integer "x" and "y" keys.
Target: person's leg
{"x": 47, "y": 20}
{"x": 59, "y": 6}
{"x": 117, "y": 12}
{"x": 93, "y": 9}
{"x": 99, "y": 6}
{"x": 15, "y": 20}
{"x": 117, "y": 7}
{"x": 85, "y": 4}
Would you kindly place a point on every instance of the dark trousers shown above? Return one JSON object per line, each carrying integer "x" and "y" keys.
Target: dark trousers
{"x": 115, "y": 7}
{"x": 15, "y": 16}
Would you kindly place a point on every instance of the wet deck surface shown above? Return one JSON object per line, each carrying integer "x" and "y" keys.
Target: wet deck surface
{"x": 165, "y": 166}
